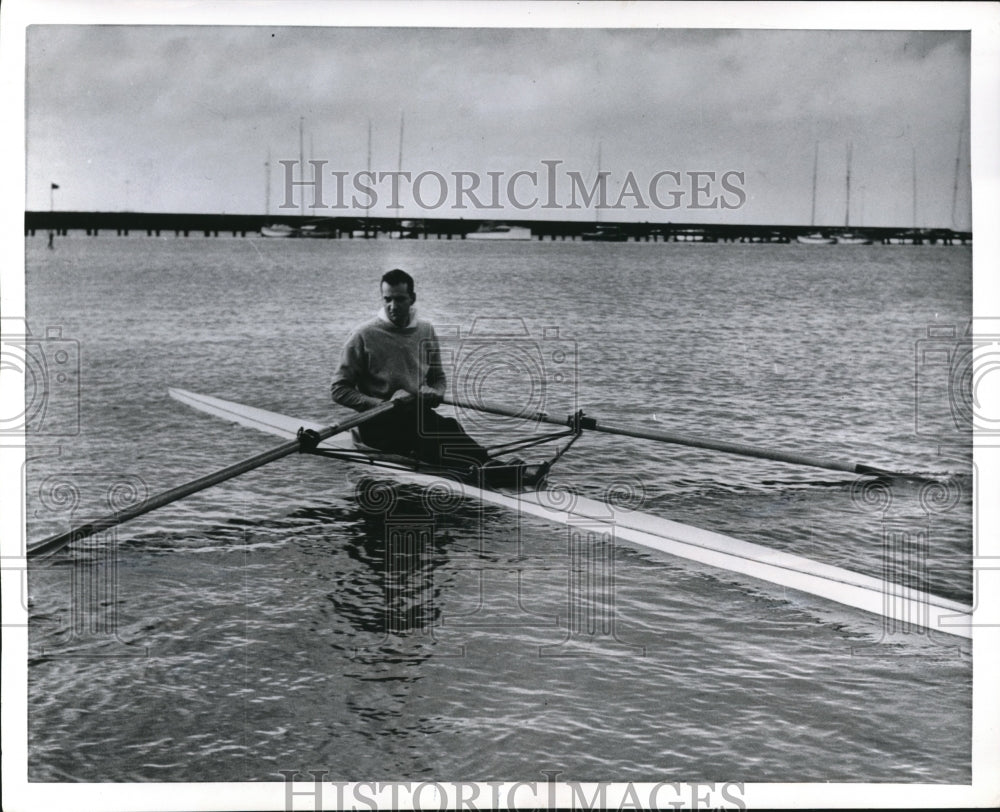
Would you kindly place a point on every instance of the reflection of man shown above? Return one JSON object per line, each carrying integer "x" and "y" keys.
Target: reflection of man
{"x": 396, "y": 355}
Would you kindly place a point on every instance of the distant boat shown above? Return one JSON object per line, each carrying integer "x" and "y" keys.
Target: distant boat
{"x": 407, "y": 230}
{"x": 693, "y": 235}
{"x": 816, "y": 238}
{"x": 912, "y": 237}
{"x": 499, "y": 231}
{"x": 278, "y": 230}
{"x": 604, "y": 234}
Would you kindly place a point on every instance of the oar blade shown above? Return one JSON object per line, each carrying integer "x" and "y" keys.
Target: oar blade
{"x": 307, "y": 440}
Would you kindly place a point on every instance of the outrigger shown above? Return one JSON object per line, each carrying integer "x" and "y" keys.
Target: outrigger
{"x": 522, "y": 488}
{"x": 495, "y": 473}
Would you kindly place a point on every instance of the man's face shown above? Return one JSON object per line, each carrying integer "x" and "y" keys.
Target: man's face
{"x": 397, "y": 300}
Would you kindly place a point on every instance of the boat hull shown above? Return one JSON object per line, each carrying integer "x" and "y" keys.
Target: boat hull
{"x": 604, "y": 236}
{"x": 278, "y": 231}
{"x": 853, "y": 239}
{"x": 900, "y": 606}
{"x": 318, "y": 232}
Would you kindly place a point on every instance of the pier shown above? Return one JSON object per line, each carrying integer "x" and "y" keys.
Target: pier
{"x": 154, "y": 224}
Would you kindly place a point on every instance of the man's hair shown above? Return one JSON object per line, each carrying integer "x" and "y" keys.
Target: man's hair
{"x": 398, "y": 277}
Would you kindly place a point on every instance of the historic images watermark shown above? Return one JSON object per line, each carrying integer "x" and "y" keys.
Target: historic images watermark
{"x": 48, "y": 367}
{"x": 547, "y": 187}
{"x": 86, "y": 621}
{"x": 956, "y": 380}
{"x": 949, "y": 361}
{"x": 955, "y": 371}
{"x": 39, "y": 409}
{"x": 548, "y": 794}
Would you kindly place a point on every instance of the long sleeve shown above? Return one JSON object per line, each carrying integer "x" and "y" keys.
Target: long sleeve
{"x": 345, "y": 387}
{"x": 435, "y": 372}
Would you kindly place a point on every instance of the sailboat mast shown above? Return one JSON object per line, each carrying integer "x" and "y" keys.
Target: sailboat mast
{"x": 914, "y": 152}
{"x": 267, "y": 184}
{"x": 812, "y": 216}
{"x": 302, "y": 169}
{"x": 954, "y": 189}
{"x": 600, "y": 184}
{"x": 847, "y": 213}
{"x": 312, "y": 155}
{"x": 399, "y": 167}
{"x": 368, "y": 202}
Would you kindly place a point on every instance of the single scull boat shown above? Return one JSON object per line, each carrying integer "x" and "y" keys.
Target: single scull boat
{"x": 900, "y": 605}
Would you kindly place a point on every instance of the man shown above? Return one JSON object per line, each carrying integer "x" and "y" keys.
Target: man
{"x": 394, "y": 355}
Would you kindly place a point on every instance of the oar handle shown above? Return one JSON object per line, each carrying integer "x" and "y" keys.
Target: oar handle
{"x": 57, "y": 542}
{"x": 687, "y": 440}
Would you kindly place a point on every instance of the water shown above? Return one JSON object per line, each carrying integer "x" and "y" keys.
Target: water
{"x": 264, "y": 625}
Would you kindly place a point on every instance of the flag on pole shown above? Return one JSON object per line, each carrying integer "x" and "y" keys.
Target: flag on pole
{"x": 55, "y": 185}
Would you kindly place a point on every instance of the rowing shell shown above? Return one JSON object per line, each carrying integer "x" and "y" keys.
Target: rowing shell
{"x": 899, "y": 605}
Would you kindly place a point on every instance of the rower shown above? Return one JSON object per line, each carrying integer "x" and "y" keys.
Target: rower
{"x": 395, "y": 355}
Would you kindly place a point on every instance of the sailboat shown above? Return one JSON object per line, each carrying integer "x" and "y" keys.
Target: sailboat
{"x": 318, "y": 228}
{"x": 816, "y": 237}
{"x": 366, "y": 232}
{"x": 602, "y": 233}
{"x": 848, "y": 237}
{"x": 277, "y": 230}
{"x": 911, "y": 237}
{"x": 405, "y": 229}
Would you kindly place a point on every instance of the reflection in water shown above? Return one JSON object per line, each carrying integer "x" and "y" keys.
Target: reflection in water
{"x": 388, "y": 599}
{"x": 388, "y": 568}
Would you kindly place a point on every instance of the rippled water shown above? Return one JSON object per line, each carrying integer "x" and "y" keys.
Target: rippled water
{"x": 278, "y": 622}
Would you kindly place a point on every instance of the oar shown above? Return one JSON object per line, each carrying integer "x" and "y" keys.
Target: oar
{"x": 742, "y": 449}
{"x": 304, "y": 442}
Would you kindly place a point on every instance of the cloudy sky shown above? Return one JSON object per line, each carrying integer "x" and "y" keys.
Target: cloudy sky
{"x": 185, "y": 118}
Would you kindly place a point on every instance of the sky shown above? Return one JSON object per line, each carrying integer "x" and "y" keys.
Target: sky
{"x": 197, "y": 118}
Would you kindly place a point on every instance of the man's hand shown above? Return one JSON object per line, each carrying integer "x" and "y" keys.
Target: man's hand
{"x": 429, "y": 396}
{"x": 400, "y": 393}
